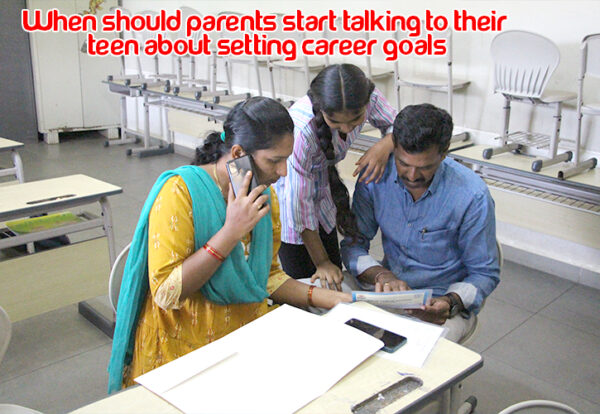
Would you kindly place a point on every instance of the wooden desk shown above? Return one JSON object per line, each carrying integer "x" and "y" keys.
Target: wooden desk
{"x": 37, "y": 197}
{"x": 448, "y": 364}
{"x": 7, "y": 145}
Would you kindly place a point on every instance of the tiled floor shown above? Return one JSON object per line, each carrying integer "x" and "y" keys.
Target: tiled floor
{"x": 539, "y": 334}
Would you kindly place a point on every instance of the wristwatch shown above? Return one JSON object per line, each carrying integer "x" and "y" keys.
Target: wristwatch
{"x": 455, "y": 305}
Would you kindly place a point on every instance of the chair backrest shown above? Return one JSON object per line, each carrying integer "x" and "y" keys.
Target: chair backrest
{"x": 590, "y": 55}
{"x": 186, "y": 12}
{"x": 447, "y": 57}
{"x": 558, "y": 407}
{"x": 523, "y": 63}
{"x": 116, "y": 276}
{"x": 5, "y": 332}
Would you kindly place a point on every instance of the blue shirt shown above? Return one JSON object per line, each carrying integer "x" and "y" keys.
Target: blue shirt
{"x": 446, "y": 240}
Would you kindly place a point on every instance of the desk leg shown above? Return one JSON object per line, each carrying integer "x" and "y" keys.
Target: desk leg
{"x": 85, "y": 309}
{"x": 18, "y": 166}
{"x": 108, "y": 229}
{"x": 105, "y": 325}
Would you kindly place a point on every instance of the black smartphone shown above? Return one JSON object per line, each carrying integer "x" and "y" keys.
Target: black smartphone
{"x": 237, "y": 169}
{"x": 391, "y": 341}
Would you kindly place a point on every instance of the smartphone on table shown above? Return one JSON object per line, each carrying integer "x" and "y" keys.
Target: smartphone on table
{"x": 237, "y": 169}
{"x": 391, "y": 341}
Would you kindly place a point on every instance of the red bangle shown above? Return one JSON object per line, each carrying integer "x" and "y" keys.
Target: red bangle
{"x": 309, "y": 296}
{"x": 214, "y": 253}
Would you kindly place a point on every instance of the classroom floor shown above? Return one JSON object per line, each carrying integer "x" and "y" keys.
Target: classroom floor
{"x": 539, "y": 334}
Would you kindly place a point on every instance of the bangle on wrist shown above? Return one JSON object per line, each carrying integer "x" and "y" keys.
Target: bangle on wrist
{"x": 309, "y": 294}
{"x": 213, "y": 252}
{"x": 379, "y": 274}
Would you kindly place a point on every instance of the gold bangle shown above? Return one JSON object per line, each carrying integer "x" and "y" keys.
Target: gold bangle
{"x": 309, "y": 296}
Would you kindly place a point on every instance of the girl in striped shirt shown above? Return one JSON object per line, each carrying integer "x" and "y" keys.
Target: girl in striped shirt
{"x": 314, "y": 201}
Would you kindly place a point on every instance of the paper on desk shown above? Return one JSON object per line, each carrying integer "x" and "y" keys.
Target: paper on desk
{"x": 421, "y": 337}
{"x": 276, "y": 364}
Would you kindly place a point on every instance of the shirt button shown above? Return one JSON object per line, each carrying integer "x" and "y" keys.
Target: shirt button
{"x": 409, "y": 224}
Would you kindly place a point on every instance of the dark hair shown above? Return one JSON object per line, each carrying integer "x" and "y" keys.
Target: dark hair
{"x": 338, "y": 88}
{"x": 257, "y": 123}
{"x": 419, "y": 127}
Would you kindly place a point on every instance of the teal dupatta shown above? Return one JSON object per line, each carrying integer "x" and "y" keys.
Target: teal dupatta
{"x": 237, "y": 280}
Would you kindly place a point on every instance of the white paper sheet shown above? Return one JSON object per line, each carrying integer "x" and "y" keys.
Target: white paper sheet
{"x": 421, "y": 337}
{"x": 276, "y": 364}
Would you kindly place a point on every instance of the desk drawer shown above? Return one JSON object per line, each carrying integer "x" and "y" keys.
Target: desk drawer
{"x": 41, "y": 282}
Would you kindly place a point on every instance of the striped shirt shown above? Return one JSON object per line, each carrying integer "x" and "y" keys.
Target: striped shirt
{"x": 304, "y": 194}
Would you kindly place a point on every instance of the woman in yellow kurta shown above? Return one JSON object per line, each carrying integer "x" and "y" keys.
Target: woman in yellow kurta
{"x": 176, "y": 317}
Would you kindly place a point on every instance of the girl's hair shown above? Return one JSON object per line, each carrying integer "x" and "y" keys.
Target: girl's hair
{"x": 257, "y": 123}
{"x": 338, "y": 88}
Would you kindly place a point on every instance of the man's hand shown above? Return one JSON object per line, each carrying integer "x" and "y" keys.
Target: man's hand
{"x": 438, "y": 311}
{"x": 388, "y": 282}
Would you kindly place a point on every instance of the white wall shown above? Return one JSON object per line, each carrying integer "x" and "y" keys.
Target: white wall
{"x": 564, "y": 22}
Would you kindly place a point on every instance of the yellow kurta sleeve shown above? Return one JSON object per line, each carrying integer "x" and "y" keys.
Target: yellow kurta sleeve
{"x": 276, "y": 277}
{"x": 170, "y": 231}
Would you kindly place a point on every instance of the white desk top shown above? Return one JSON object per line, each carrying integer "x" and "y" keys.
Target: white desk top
{"x": 447, "y": 364}
{"x": 8, "y": 144}
{"x": 523, "y": 163}
{"x": 79, "y": 188}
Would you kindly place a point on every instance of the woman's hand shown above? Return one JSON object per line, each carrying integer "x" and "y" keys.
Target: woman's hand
{"x": 330, "y": 275}
{"x": 245, "y": 211}
{"x": 375, "y": 160}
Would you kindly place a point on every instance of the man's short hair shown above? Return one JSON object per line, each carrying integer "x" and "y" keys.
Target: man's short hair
{"x": 419, "y": 127}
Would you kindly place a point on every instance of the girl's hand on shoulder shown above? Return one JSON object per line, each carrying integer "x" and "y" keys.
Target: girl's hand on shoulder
{"x": 374, "y": 161}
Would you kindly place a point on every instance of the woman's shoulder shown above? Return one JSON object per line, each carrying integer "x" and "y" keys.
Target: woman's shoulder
{"x": 175, "y": 188}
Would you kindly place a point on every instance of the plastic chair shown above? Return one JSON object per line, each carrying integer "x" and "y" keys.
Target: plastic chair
{"x": 5, "y": 334}
{"x": 302, "y": 64}
{"x": 559, "y": 407}
{"x": 146, "y": 69}
{"x": 523, "y": 65}
{"x": 190, "y": 79}
{"x": 432, "y": 82}
{"x": 116, "y": 276}
{"x": 373, "y": 73}
{"x": 590, "y": 65}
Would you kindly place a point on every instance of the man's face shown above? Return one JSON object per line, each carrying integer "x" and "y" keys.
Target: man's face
{"x": 271, "y": 163}
{"x": 417, "y": 170}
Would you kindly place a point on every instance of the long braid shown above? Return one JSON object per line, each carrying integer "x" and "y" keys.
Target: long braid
{"x": 345, "y": 218}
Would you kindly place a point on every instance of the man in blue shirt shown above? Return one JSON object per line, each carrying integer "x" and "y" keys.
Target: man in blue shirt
{"x": 437, "y": 224}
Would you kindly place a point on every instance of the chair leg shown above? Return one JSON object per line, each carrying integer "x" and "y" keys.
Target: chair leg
{"x": 271, "y": 79}
{"x": 506, "y": 110}
{"x": 257, "y": 71}
{"x": 556, "y": 133}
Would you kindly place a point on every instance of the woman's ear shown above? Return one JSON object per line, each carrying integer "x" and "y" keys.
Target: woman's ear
{"x": 237, "y": 151}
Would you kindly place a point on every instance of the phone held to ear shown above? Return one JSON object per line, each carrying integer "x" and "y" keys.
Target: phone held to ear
{"x": 391, "y": 341}
{"x": 237, "y": 169}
